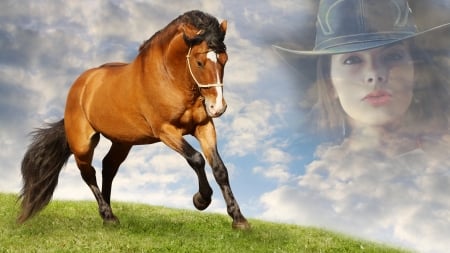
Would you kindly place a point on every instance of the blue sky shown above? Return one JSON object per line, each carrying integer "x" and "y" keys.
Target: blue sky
{"x": 45, "y": 45}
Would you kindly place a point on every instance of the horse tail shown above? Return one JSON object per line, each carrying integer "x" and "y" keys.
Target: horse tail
{"x": 41, "y": 165}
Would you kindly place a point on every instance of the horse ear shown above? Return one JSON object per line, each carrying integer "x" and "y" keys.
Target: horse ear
{"x": 189, "y": 31}
{"x": 223, "y": 26}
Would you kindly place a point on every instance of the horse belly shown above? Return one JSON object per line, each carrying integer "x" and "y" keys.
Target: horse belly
{"x": 128, "y": 134}
{"x": 129, "y": 129}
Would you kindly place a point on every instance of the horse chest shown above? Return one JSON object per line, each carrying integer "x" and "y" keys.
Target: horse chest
{"x": 191, "y": 117}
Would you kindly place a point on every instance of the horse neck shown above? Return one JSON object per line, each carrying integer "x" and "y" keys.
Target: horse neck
{"x": 167, "y": 51}
{"x": 165, "y": 57}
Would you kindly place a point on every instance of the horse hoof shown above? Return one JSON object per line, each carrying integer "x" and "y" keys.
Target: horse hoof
{"x": 110, "y": 223}
{"x": 241, "y": 225}
{"x": 200, "y": 203}
{"x": 113, "y": 221}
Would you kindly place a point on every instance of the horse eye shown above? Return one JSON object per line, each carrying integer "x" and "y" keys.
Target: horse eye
{"x": 199, "y": 64}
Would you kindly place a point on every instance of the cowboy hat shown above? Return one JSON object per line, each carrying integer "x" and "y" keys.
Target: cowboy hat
{"x": 345, "y": 26}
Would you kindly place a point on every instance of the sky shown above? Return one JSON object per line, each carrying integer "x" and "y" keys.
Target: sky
{"x": 279, "y": 171}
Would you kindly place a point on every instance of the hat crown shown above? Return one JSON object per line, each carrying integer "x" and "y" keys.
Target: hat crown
{"x": 356, "y": 21}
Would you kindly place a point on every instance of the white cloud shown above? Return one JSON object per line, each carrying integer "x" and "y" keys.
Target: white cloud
{"x": 242, "y": 52}
{"x": 290, "y": 5}
{"x": 255, "y": 16}
{"x": 364, "y": 193}
{"x": 250, "y": 128}
{"x": 276, "y": 164}
{"x": 276, "y": 155}
{"x": 277, "y": 171}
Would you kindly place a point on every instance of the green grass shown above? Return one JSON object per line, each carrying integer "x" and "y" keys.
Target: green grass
{"x": 68, "y": 226}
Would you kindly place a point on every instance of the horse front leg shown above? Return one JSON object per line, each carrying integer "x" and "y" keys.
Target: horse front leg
{"x": 172, "y": 138}
{"x": 206, "y": 135}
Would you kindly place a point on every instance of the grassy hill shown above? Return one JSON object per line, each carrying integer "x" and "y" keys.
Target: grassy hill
{"x": 66, "y": 226}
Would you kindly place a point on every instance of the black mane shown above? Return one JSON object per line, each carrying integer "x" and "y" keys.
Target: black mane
{"x": 210, "y": 26}
{"x": 212, "y": 34}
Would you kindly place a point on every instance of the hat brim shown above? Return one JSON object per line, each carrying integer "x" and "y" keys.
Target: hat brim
{"x": 360, "y": 45}
{"x": 302, "y": 64}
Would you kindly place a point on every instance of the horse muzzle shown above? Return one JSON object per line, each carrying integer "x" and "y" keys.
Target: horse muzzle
{"x": 215, "y": 110}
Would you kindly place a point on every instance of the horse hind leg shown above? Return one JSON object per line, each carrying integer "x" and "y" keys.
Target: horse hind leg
{"x": 110, "y": 165}
{"x": 83, "y": 153}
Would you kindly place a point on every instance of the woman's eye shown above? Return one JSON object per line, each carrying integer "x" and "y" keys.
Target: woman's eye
{"x": 397, "y": 56}
{"x": 352, "y": 60}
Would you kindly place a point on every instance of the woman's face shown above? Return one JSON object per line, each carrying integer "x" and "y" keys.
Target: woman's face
{"x": 374, "y": 87}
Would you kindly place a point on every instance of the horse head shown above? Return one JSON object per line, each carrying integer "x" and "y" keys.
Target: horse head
{"x": 205, "y": 60}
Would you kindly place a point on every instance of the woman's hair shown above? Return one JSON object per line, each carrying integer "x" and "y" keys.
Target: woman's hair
{"x": 428, "y": 108}
{"x": 328, "y": 111}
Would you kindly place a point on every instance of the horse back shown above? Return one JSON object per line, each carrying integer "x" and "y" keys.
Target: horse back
{"x": 113, "y": 64}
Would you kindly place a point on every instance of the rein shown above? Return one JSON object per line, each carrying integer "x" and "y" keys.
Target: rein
{"x": 195, "y": 79}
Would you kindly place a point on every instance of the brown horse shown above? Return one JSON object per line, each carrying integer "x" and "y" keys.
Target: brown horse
{"x": 172, "y": 88}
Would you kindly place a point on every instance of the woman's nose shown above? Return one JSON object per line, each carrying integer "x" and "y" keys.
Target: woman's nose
{"x": 375, "y": 74}
{"x": 375, "y": 78}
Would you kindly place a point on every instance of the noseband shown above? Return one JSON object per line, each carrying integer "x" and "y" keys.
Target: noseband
{"x": 195, "y": 79}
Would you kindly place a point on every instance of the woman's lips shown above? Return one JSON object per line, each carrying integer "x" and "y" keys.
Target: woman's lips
{"x": 378, "y": 98}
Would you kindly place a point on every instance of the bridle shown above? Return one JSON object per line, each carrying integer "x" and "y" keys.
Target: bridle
{"x": 218, "y": 84}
